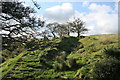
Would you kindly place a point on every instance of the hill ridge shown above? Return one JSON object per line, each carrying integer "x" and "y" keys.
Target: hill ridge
{"x": 69, "y": 58}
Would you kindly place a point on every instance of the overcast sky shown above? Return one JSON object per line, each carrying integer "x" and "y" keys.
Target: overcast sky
{"x": 100, "y": 17}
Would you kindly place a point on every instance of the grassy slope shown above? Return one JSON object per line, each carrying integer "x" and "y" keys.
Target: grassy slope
{"x": 93, "y": 52}
{"x": 59, "y": 52}
{"x": 8, "y": 65}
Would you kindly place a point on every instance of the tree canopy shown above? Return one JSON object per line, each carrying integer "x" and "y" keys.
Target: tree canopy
{"x": 78, "y": 26}
{"x": 18, "y": 23}
{"x": 17, "y": 20}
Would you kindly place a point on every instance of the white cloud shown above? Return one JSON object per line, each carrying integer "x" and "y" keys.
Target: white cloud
{"x": 101, "y": 19}
{"x": 85, "y": 3}
{"x": 59, "y": 13}
{"x": 100, "y": 8}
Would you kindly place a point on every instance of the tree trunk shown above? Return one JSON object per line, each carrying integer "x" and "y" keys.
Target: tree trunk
{"x": 53, "y": 34}
{"x": 78, "y": 34}
{"x": 60, "y": 35}
{"x": 46, "y": 38}
{"x": 68, "y": 33}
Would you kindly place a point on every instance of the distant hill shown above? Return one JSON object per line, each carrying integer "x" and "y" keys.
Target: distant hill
{"x": 94, "y": 57}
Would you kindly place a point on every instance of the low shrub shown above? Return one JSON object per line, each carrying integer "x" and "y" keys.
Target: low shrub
{"x": 83, "y": 73}
{"x": 112, "y": 52}
{"x": 107, "y": 69}
{"x": 59, "y": 66}
{"x": 71, "y": 63}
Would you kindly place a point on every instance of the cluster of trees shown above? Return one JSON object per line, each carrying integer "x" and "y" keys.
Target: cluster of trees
{"x": 56, "y": 29}
{"x": 19, "y": 22}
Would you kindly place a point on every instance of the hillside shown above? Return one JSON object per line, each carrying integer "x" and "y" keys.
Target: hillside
{"x": 68, "y": 58}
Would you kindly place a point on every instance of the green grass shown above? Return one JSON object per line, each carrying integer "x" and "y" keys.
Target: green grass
{"x": 54, "y": 59}
{"x": 8, "y": 65}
